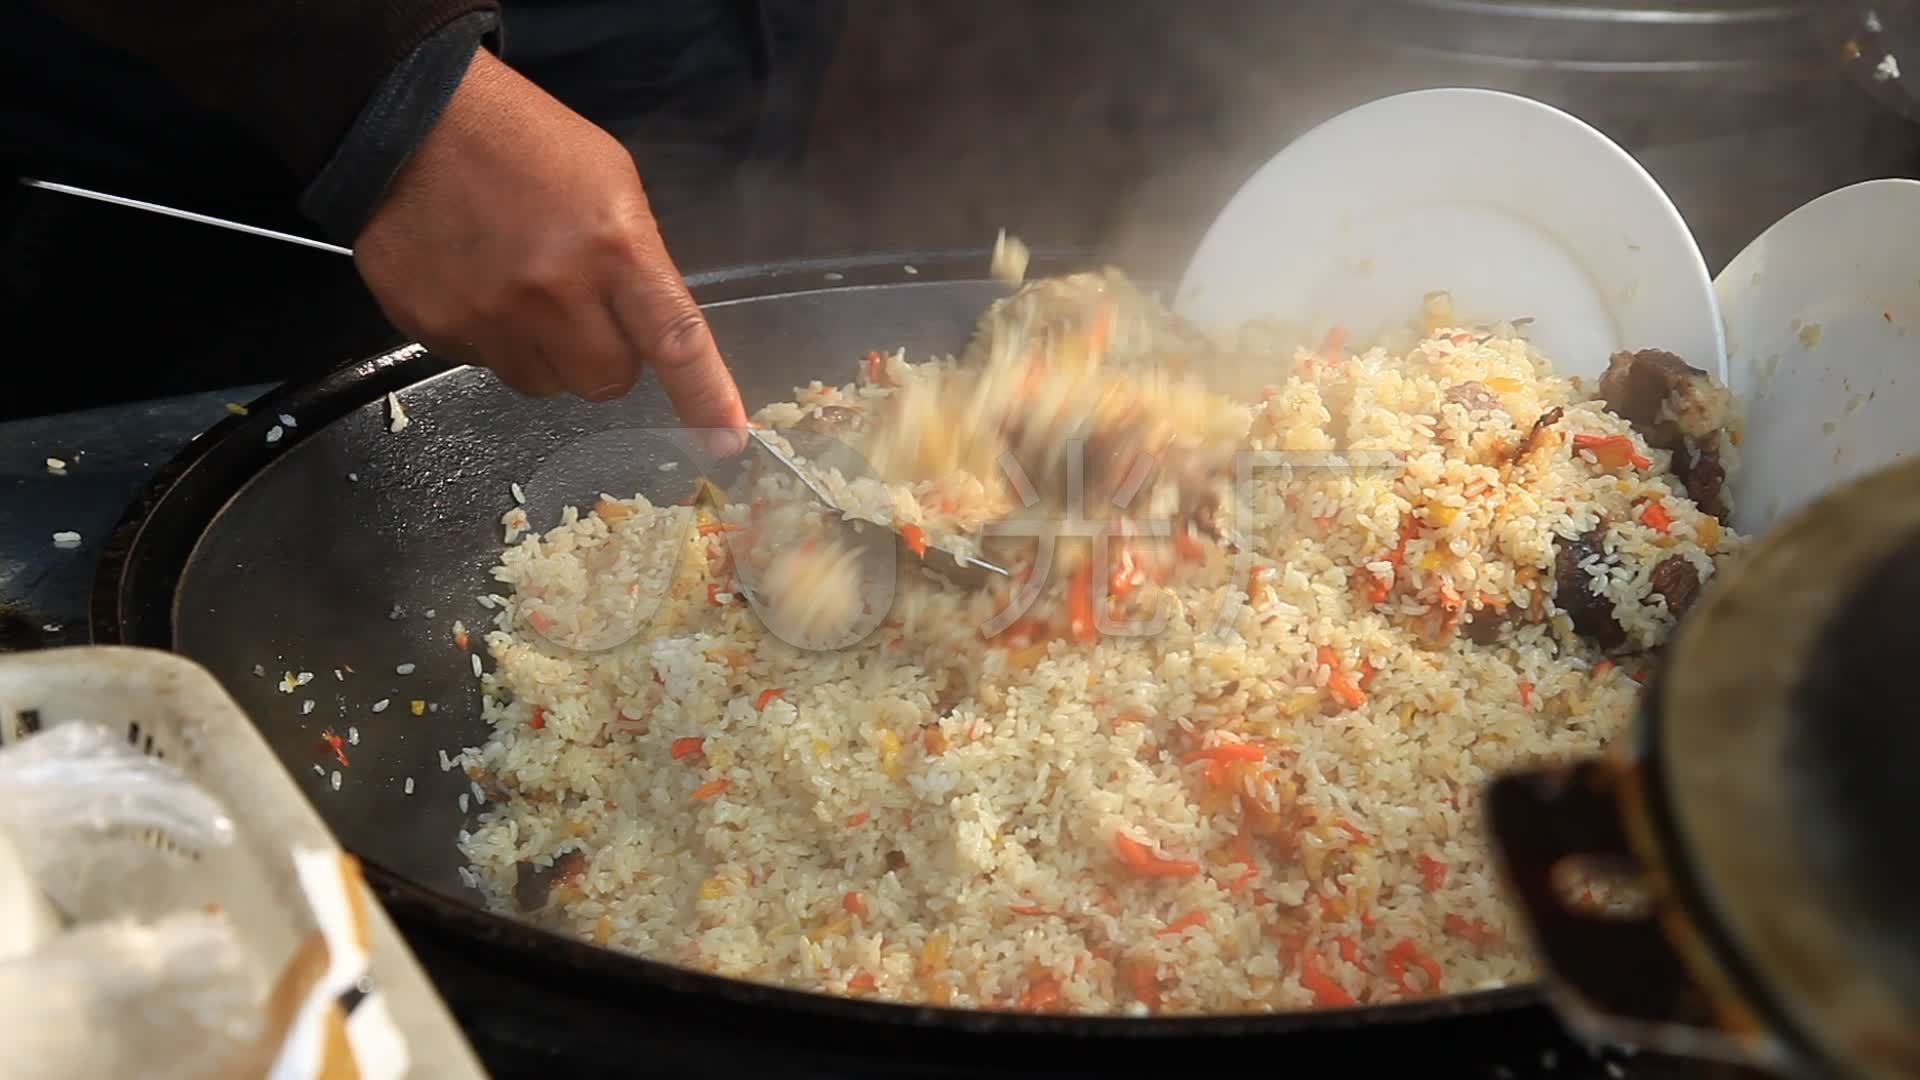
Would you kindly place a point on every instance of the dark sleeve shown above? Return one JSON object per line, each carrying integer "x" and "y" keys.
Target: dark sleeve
{"x": 340, "y": 90}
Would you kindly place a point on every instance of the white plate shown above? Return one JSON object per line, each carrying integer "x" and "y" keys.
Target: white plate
{"x": 1513, "y": 206}
{"x": 1823, "y": 346}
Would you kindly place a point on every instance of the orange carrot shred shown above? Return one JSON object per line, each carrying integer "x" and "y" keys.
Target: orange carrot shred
{"x": 686, "y": 747}
{"x": 1143, "y": 981}
{"x": 539, "y": 718}
{"x": 1080, "y": 622}
{"x": 711, "y": 788}
{"x": 1612, "y": 451}
{"x": 713, "y": 593}
{"x": 1188, "y": 546}
{"x": 1473, "y": 930}
{"x": 1315, "y": 978}
{"x": 336, "y": 744}
{"x": 1142, "y": 860}
{"x": 916, "y": 539}
{"x": 1433, "y": 873}
{"x": 857, "y": 819}
{"x": 861, "y": 981}
{"x": 855, "y": 904}
{"x": 1351, "y": 830}
{"x": 766, "y": 696}
{"x": 1526, "y": 693}
{"x": 1042, "y": 993}
{"x": 1404, "y": 952}
{"x": 1350, "y": 952}
{"x": 1602, "y": 668}
{"x": 1337, "y": 681}
{"x": 1026, "y": 909}
{"x": 1224, "y": 752}
{"x": 708, "y": 528}
{"x": 1184, "y": 922}
{"x": 1654, "y": 516}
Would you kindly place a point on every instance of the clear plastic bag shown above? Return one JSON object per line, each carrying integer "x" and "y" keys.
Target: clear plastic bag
{"x": 169, "y": 1000}
{"x": 105, "y": 830}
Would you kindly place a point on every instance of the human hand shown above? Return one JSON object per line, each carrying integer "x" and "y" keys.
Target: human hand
{"x": 518, "y": 236}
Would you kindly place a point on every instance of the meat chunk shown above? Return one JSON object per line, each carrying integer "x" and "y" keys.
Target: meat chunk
{"x": 1484, "y": 627}
{"x": 1592, "y": 615}
{"x": 1678, "y": 580}
{"x": 533, "y": 885}
{"x": 1705, "y": 479}
{"x": 1473, "y": 396}
{"x": 1677, "y": 407}
{"x": 1666, "y": 399}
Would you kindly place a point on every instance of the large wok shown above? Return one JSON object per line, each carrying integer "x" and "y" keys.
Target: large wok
{"x": 245, "y": 553}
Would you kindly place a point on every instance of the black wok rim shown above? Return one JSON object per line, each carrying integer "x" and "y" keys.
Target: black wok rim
{"x": 152, "y": 544}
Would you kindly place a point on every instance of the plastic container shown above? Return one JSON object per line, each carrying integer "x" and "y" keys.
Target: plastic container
{"x": 172, "y": 708}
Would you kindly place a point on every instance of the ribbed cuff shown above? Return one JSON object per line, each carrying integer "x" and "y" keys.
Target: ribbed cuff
{"x": 402, "y": 110}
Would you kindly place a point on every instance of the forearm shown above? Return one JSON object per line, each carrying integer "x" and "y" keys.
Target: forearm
{"x": 339, "y": 90}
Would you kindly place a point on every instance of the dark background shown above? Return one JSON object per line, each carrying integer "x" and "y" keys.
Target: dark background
{"x": 1115, "y": 127}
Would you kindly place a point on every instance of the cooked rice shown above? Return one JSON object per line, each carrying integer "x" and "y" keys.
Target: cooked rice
{"x": 1280, "y": 817}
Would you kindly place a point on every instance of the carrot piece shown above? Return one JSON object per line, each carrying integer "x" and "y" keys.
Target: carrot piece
{"x": 1080, "y": 622}
{"x": 1351, "y": 830}
{"x": 1334, "y": 342}
{"x": 1526, "y": 693}
{"x": 1225, "y": 752}
{"x": 539, "y": 718}
{"x": 1405, "y": 952}
{"x": 1338, "y": 683}
{"x": 1326, "y": 992}
{"x": 1041, "y": 994}
{"x": 1184, "y": 922}
{"x": 1433, "y": 873}
{"x": 855, "y": 904}
{"x": 708, "y": 528}
{"x": 915, "y": 538}
{"x": 862, "y": 981}
{"x": 461, "y": 640}
{"x": 1611, "y": 451}
{"x": 1143, "y": 981}
{"x": 1473, "y": 930}
{"x": 876, "y": 368}
{"x": 1602, "y": 668}
{"x": 711, "y": 788}
{"x": 336, "y": 744}
{"x": 1026, "y": 909}
{"x": 1350, "y": 952}
{"x": 1654, "y": 516}
{"x": 1142, "y": 860}
{"x": 857, "y": 819}
{"x": 686, "y": 747}
{"x": 713, "y": 593}
{"x": 766, "y": 696}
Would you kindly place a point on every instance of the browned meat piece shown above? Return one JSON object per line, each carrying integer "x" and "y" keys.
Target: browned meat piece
{"x": 533, "y": 885}
{"x": 1661, "y": 395}
{"x": 1538, "y": 431}
{"x": 1473, "y": 396}
{"x": 1678, "y": 407}
{"x": 896, "y": 860}
{"x": 1678, "y": 580}
{"x": 1592, "y": 615}
{"x": 1484, "y": 627}
{"x": 1706, "y": 482}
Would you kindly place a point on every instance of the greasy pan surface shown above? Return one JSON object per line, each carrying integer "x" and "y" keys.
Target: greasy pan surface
{"x": 244, "y": 553}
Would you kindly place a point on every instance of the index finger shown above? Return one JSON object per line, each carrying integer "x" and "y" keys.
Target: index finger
{"x": 661, "y": 322}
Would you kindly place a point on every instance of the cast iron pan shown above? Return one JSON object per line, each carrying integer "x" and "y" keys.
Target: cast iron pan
{"x": 245, "y": 553}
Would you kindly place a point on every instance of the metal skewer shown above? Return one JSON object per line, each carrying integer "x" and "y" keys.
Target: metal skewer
{"x": 185, "y": 215}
